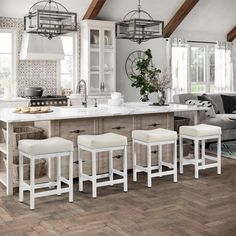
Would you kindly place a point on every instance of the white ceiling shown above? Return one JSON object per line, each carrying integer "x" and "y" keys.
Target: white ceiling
{"x": 210, "y": 16}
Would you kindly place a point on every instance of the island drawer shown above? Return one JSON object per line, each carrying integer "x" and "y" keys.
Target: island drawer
{"x": 153, "y": 121}
{"x": 122, "y": 125}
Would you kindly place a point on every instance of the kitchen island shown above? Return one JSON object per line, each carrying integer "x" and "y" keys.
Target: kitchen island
{"x": 69, "y": 122}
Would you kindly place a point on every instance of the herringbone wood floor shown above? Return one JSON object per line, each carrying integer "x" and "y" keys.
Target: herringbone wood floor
{"x": 190, "y": 207}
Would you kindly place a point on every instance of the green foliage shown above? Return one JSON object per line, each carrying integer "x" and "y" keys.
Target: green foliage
{"x": 147, "y": 73}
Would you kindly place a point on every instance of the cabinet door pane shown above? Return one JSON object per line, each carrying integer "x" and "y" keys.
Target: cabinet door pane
{"x": 108, "y": 39}
{"x": 94, "y": 38}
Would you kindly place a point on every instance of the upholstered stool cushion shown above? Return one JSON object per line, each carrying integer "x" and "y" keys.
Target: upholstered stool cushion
{"x": 102, "y": 141}
{"x": 201, "y": 130}
{"x": 45, "y": 146}
{"x": 155, "y": 135}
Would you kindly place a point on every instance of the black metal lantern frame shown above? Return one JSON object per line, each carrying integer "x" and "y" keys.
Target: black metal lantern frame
{"x": 50, "y": 20}
{"x": 139, "y": 29}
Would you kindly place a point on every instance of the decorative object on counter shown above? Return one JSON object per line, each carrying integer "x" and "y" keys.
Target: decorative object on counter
{"x": 33, "y": 92}
{"x": 139, "y": 26}
{"x": 160, "y": 82}
{"x": 49, "y": 20}
{"x": 32, "y": 110}
{"x": 115, "y": 100}
{"x": 149, "y": 79}
{"x": 7, "y": 94}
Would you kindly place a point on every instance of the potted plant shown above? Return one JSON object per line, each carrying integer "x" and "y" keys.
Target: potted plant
{"x": 146, "y": 73}
{"x": 149, "y": 79}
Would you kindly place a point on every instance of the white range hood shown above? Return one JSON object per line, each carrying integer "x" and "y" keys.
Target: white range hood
{"x": 36, "y": 47}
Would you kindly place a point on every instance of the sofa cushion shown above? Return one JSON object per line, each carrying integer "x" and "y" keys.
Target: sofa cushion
{"x": 218, "y": 101}
{"x": 229, "y": 103}
{"x": 222, "y": 120}
{"x": 206, "y": 97}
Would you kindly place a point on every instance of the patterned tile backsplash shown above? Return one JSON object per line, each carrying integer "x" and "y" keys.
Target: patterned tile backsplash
{"x": 30, "y": 72}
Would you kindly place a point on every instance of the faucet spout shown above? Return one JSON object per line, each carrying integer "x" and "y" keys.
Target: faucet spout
{"x": 82, "y": 88}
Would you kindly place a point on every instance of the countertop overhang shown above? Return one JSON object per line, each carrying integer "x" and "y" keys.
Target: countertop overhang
{"x": 64, "y": 113}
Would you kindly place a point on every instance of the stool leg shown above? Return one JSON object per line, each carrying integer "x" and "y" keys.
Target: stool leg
{"x": 71, "y": 177}
{"x": 134, "y": 151}
{"x": 125, "y": 170}
{"x": 196, "y": 154}
{"x": 94, "y": 175}
{"x": 219, "y": 155}
{"x": 181, "y": 155}
{"x": 160, "y": 158}
{"x": 32, "y": 183}
{"x": 58, "y": 175}
{"x": 203, "y": 153}
{"x": 149, "y": 165}
{"x": 111, "y": 167}
{"x": 21, "y": 179}
{"x": 175, "y": 161}
{"x": 81, "y": 182}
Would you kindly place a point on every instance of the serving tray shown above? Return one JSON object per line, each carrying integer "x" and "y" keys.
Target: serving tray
{"x": 34, "y": 112}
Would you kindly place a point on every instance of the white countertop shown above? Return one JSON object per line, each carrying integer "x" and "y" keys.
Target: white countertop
{"x": 64, "y": 113}
{"x": 14, "y": 99}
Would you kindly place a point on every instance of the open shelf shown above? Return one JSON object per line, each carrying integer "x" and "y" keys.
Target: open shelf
{"x": 3, "y": 148}
{"x": 3, "y": 177}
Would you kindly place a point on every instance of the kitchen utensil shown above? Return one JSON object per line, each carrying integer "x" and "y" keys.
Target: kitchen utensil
{"x": 33, "y": 92}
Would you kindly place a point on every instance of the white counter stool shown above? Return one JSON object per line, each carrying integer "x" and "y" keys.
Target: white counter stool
{"x": 45, "y": 148}
{"x": 199, "y": 134}
{"x": 108, "y": 142}
{"x": 150, "y": 138}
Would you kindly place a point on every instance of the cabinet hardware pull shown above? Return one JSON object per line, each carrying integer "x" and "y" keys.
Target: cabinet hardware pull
{"x": 154, "y": 125}
{"x": 77, "y": 131}
{"x": 77, "y": 162}
{"x": 154, "y": 152}
{"x": 118, "y": 127}
{"x": 118, "y": 156}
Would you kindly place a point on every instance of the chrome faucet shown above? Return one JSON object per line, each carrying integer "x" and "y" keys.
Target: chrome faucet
{"x": 82, "y": 86}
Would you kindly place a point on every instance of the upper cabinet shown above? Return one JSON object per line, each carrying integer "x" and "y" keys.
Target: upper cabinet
{"x": 98, "y": 56}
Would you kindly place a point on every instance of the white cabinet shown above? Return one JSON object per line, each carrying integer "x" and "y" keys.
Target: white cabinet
{"x": 98, "y": 56}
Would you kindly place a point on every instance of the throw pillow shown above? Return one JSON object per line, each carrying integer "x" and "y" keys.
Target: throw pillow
{"x": 229, "y": 103}
{"x": 206, "y": 97}
{"x": 209, "y": 112}
{"x": 192, "y": 102}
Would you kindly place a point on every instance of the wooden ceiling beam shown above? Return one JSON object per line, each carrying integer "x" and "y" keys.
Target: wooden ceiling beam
{"x": 231, "y": 36}
{"x": 178, "y": 17}
{"x": 94, "y": 9}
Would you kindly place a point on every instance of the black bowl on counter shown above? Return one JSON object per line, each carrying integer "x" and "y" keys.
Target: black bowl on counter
{"x": 33, "y": 92}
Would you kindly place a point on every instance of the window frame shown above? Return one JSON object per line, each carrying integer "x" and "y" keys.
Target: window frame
{"x": 207, "y": 82}
{"x": 75, "y": 72}
{"x": 13, "y": 59}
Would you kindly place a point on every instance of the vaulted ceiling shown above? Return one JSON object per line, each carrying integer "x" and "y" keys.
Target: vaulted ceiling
{"x": 209, "y": 16}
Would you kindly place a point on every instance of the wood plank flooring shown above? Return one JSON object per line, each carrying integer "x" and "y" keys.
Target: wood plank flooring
{"x": 190, "y": 207}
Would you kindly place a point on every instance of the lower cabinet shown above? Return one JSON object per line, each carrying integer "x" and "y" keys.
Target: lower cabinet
{"x": 123, "y": 125}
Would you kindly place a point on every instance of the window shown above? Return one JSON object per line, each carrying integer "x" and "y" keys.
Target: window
{"x": 67, "y": 68}
{"x": 201, "y": 68}
{"x": 7, "y": 60}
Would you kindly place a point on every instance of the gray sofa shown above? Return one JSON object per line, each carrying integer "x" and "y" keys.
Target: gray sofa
{"x": 228, "y": 126}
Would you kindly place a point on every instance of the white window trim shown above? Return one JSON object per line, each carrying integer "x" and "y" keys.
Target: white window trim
{"x": 14, "y": 59}
{"x": 75, "y": 64}
{"x": 207, "y": 71}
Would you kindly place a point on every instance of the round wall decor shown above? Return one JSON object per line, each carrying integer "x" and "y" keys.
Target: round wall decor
{"x": 131, "y": 61}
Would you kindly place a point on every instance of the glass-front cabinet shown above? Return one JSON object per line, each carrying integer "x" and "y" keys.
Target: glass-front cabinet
{"x": 97, "y": 59}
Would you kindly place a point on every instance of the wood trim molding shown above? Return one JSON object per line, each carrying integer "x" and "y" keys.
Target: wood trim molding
{"x": 178, "y": 17}
{"x": 231, "y": 35}
{"x": 94, "y": 8}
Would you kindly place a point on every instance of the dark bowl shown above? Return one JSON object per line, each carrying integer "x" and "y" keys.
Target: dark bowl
{"x": 33, "y": 92}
